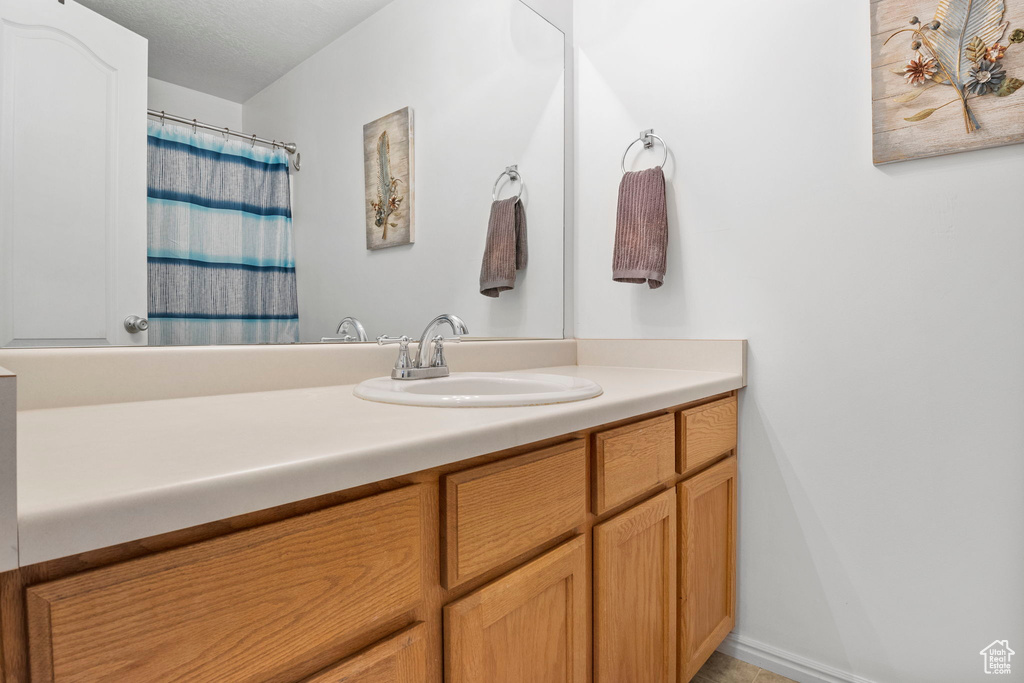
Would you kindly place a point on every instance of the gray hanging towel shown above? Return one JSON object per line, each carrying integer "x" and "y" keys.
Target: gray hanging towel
{"x": 641, "y": 229}
{"x": 505, "y": 251}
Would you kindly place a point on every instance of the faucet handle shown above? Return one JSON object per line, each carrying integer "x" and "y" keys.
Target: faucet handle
{"x": 438, "y": 360}
{"x": 404, "y": 361}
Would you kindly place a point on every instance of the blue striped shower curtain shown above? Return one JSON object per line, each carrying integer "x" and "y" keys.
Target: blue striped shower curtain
{"x": 221, "y": 266}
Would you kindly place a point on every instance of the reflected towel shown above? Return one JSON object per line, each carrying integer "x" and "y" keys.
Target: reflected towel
{"x": 505, "y": 251}
{"x": 641, "y": 229}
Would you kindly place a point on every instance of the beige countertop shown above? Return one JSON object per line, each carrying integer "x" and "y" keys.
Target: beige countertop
{"x": 91, "y": 476}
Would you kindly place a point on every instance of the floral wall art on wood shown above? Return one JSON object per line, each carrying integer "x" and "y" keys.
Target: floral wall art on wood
{"x": 946, "y": 76}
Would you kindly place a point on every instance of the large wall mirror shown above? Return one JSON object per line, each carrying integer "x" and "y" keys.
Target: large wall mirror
{"x": 232, "y": 172}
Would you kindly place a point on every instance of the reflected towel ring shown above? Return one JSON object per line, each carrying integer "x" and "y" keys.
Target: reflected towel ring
{"x": 513, "y": 175}
{"x": 647, "y": 137}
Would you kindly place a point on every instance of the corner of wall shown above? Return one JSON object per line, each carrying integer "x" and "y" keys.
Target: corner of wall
{"x": 558, "y": 13}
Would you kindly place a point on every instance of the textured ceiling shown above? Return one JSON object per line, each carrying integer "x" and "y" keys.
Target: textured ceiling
{"x": 233, "y": 48}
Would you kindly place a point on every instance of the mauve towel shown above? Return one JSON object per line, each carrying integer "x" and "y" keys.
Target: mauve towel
{"x": 641, "y": 229}
{"x": 505, "y": 252}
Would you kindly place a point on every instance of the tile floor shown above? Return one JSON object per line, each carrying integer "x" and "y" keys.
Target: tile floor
{"x": 724, "y": 669}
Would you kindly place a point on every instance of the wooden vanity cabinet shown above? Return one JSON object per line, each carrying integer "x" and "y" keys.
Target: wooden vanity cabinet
{"x": 604, "y": 556}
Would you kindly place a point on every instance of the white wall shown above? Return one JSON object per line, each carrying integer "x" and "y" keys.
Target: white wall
{"x": 485, "y": 80}
{"x": 882, "y": 440}
{"x": 192, "y": 104}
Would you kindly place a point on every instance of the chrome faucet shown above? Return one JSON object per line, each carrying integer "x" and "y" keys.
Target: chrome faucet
{"x": 357, "y": 328}
{"x": 458, "y": 328}
{"x": 422, "y": 368}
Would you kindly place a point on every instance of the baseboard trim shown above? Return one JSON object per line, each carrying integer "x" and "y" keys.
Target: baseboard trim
{"x": 784, "y": 663}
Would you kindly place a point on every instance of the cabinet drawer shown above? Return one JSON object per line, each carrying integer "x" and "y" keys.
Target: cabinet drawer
{"x": 633, "y": 459}
{"x": 402, "y": 658}
{"x": 273, "y": 603}
{"x": 495, "y": 512}
{"x": 706, "y": 432}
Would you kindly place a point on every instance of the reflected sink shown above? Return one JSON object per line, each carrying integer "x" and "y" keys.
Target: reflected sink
{"x": 479, "y": 390}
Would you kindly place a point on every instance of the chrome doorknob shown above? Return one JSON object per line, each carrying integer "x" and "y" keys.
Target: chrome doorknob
{"x": 135, "y": 324}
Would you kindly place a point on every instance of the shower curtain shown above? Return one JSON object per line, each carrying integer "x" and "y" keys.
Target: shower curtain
{"x": 221, "y": 266}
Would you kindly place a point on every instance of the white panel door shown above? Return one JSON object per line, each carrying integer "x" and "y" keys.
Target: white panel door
{"x": 72, "y": 176}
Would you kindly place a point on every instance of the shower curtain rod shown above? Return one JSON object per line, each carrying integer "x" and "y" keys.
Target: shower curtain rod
{"x": 290, "y": 147}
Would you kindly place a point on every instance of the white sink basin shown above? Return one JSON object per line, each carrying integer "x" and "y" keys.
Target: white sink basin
{"x": 479, "y": 390}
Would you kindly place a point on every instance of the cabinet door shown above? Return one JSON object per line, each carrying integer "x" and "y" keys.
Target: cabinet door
{"x": 707, "y": 546}
{"x": 530, "y": 626}
{"x": 635, "y": 594}
{"x": 401, "y": 658}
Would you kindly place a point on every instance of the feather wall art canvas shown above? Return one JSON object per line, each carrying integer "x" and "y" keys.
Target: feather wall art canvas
{"x": 947, "y": 76}
{"x": 388, "y": 167}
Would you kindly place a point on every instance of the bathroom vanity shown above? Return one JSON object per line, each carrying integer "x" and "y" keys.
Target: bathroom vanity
{"x": 199, "y": 498}
{"x": 600, "y": 547}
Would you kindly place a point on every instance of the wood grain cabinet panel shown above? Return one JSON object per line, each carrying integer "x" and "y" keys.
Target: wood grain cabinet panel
{"x": 635, "y": 594}
{"x": 530, "y": 626}
{"x": 706, "y": 432}
{"x": 707, "y": 562}
{"x": 402, "y": 658}
{"x": 499, "y": 511}
{"x": 631, "y": 460}
{"x": 268, "y": 604}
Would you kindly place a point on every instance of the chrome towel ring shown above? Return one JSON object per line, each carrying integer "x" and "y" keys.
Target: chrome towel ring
{"x": 513, "y": 175}
{"x": 647, "y": 137}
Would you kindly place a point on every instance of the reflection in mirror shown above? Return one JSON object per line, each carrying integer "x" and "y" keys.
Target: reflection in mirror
{"x": 302, "y": 164}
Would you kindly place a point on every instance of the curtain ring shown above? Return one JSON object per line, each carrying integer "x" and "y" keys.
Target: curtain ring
{"x": 163, "y": 115}
{"x": 195, "y": 126}
{"x": 227, "y": 132}
{"x": 254, "y": 140}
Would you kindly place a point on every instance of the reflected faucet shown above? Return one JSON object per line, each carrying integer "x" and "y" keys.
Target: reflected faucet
{"x": 357, "y": 328}
{"x": 437, "y": 366}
